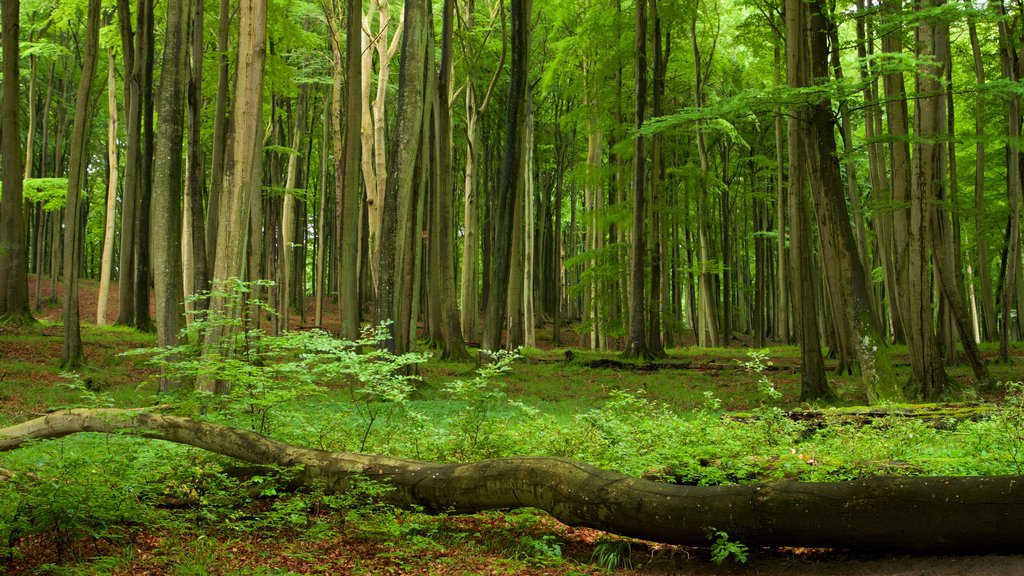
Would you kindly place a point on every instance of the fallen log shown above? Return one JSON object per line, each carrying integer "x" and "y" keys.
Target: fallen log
{"x": 944, "y": 515}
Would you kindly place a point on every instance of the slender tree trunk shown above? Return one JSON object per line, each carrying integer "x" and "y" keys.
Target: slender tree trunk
{"x": 167, "y": 179}
{"x": 398, "y": 209}
{"x": 1008, "y": 60}
{"x": 511, "y": 177}
{"x": 14, "y": 304}
{"x": 782, "y": 332}
{"x": 129, "y": 184}
{"x": 927, "y": 371}
{"x": 636, "y": 340}
{"x": 988, "y": 316}
{"x": 72, "y": 355}
{"x": 288, "y": 224}
{"x": 454, "y": 347}
{"x": 195, "y": 173}
{"x": 321, "y": 218}
{"x": 107, "y": 260}
{"x": 243, "y": 151}
{"x": 707, "y": 321}
{"x": 145, "y": 47}
{"x": 220, "y": 141}
{"x": 812, "y": 368}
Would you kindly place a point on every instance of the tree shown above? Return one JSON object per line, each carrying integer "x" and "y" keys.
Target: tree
{"x": 14, "y": 305}
{"x": 167, "y": 178}
{"x": 812, "y": 368}
{"x": 243, "y": 147}
{"x": 399, "y": 208}
{"x": 107, "y": 260}
{"x": 511, "y": 178}
{"x": 636, "y": 341}
{"x": 944, "y": 514}
{"x": 72, "y": 355}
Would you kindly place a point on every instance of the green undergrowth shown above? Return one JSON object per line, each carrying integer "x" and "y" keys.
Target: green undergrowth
{"x": 723, "y": 419}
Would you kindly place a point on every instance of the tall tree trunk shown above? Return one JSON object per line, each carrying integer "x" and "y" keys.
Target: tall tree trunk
{"x": 983, "y": 267}
{"x": 707, "y": 309}
{"x": 398, "y": 208}
{"x": 812, "y": 368}
{"x": 107, "y": 260}
{"x": 636, "y": 340}
{"x": 658, "y": 309}
{"x": 927, "y": 371}
{"x": 195, "y": 173}
{"x": 347, "y": 183}
{"x": 288, "y": 217}
{"x": 131, "y": 54}
{"x": 454, "y": 347}
{"x": 72, "y": 355}
{"x": 865, "y": 333}
{"x": 146, "y": 43}
{"x": 782, "y": 332}
{"x": 14, "y": 305}
{"x": 321, "y": 217}
{"x": 167, "y": 183}
{"x": 1008, "y": 61}
{"x": 511, "y": 177}
{"x": 220, "y": 141}
{"x": 243, "y": 151}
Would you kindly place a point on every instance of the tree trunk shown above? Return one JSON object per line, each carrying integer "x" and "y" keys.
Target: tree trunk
{"x": 195, "y": 173}
{"x": 938, "y": 515}
{"x": 243, "y": 149}
{"x": 988, "y": 310}
{"x": 1008, "y": 60}
{"x": 167, "y": 183}
{"x": 129, "y": 186}
{"x": 454, "y": 347}
{"x": 636, "y": 340}
{"x": 511, "y": 178}
{"x": 707, "y": 309}
{"x": 220, "y": 142}
{"x": 347, "y": 181}
{"x": 398, "y": 209}
{"x": 812, "y": 368}
{"x": 107, "y": 260}
{"x": 146, "y": 53}
{"x": 14, "y": 305}
{"x": 72, "y": 355}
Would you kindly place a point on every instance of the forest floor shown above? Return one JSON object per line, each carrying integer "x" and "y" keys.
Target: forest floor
{"x": 30, "y": 384}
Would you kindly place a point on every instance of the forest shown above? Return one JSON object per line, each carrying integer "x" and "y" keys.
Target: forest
{"x": 517, "y": 246}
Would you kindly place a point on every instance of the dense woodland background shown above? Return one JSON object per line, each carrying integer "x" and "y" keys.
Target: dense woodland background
{"x": 646, "y": 175}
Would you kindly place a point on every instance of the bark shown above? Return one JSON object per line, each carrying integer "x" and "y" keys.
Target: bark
{"x": 454, "y": 347}
{"x": 636, "y": 340}
{"x": 72, "y": 354}
{"x": 988, "y": 310}
{"x": 927, "y": 372}
{"x": 107, "y": 259}
{"x": 859, "y": 317}
{"x": 242, "y": 154}
{"x": 167, "y": 179}
{"x": 14, "y": 304}
{"x": 347, "y": 180}
{"x": 129, "y": 186}
{"x": 1008, "y": 61}
{"x": 782, "y": 324}
{"x": 812, "y": 369}
{"x": 511, "y": 178}
{"x": 288, "y": 228}
{"x": 707, "y": 308}
{"x": 469, "y": 286}
{"x": 219, "y": 140}
{"x": 939, "y": 515}
{"x": 145, "y": 46}
{"x": 196, "y": 174}
{"x": 399, "y": 210}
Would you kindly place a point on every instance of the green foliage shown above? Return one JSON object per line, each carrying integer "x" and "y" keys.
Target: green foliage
{"x": 724, "y": 548}
{"x": 613, "y": 553}
{"x": 51, "y": 192}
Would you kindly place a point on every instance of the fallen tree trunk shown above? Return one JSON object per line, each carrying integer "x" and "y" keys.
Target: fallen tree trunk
{"x": 946, "y": 515}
